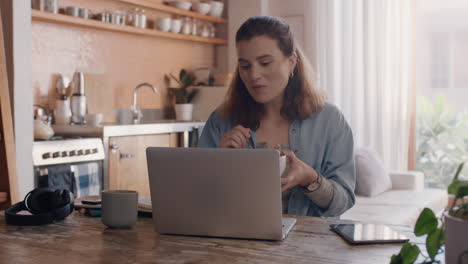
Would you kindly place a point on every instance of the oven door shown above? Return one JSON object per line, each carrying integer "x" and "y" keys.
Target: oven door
{"x": 82, "y": 178}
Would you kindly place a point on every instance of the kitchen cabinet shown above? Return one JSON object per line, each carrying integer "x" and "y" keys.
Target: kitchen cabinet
{"x": 128, "y": 169}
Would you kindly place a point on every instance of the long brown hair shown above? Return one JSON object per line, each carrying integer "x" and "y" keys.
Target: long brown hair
{"x": 301, "y": 96}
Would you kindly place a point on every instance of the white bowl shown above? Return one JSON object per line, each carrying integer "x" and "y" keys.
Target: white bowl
{"x": 176, "y": 25}
{"x": 164, "y": 24}
{"x": 216, "y": 9}
{"x": 181, "y": 4}
{"x": 202, "y": 8}
{"x": 94, "y": 119}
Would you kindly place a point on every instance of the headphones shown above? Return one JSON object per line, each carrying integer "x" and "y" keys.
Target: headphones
{"x": 45, "y": 205}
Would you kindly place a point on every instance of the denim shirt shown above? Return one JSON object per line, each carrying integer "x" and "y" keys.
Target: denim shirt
{"x": 324, "y": 141}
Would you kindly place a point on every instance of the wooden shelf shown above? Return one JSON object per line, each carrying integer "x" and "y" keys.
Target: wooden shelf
{"x": 173, "y": 10}
{"x": 91, "y": 23}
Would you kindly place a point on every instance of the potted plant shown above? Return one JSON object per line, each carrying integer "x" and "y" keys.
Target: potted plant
{"x": 450, "y": 230}
{"x": 184, "y": 95}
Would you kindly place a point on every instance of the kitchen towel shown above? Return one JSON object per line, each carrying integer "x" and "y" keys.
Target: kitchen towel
{"x": 87, "y": 179}
{"x": 58, "y": 177}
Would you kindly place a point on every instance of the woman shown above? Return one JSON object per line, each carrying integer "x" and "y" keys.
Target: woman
{"x": 273, "y": 99}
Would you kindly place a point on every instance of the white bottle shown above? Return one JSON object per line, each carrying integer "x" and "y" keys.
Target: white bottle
{"x": 78, "y": 99}
{"x": 142, "y": 23}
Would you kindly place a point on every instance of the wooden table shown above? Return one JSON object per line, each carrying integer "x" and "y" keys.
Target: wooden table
{"x": 83, "y": 239}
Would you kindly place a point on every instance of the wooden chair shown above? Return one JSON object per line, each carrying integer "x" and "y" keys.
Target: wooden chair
{"x": 8, "y": 181}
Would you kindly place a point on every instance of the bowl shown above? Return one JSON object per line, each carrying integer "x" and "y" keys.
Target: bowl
{"x": 164, "y": 24}
{"x": 181, "y": 4}
{"x": 94, "y": 119}
{"x": 176, "y": 25}
{"x": 202, "y": 8}
{"x": 216, "y": 9}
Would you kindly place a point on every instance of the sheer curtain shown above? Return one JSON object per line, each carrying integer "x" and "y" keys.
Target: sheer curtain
{"x": 364, "y": 62}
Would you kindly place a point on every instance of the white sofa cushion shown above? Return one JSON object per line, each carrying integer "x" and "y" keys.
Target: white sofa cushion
{"x": 400, "y": 207}
{"x": 407, "y": 180}
{"x": 371, "y": 176}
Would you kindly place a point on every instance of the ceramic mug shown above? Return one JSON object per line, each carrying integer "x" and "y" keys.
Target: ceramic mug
{"x": 119, "y": 208}
{"x": 123, "y": 116}
{"x": 283, "y": 162}
{"x": 94, "y": 119}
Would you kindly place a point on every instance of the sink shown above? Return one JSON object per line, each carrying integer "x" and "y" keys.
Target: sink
{"x": 124, "y": 116}
{"x": 150, "y": 116}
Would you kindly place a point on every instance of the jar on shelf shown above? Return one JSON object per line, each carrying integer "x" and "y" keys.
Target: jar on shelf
{"x": 212, "y": 31}
{"x": 187, "y": 26}
{"x": 205, "y": 31}
{"x": 142, "y": 22}
{"x": 194, "y": 27}
{"x": 51, "y": 6}
{"x": 130, "y": 16}
{"x": 136, "y": 17}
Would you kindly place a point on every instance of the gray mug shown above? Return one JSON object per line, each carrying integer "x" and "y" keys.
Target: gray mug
{"x": 119, "y": 208}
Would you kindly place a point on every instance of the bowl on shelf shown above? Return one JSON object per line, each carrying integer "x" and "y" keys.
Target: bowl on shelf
{"x": 202, "y": 8}
{"x": 181, "y": 4}
{"x": 216, "y": 9}
{"x": 176, "y": 25}
{"x": 164, "y": 24}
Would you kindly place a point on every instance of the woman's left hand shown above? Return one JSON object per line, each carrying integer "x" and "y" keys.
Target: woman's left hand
{"x": 299, "y": 172}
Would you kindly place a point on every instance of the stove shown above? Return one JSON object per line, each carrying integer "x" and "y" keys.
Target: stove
{"x": 75, "y": 164}
{"x": 60, "y": 151}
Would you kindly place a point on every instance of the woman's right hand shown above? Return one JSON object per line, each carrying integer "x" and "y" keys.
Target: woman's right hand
{"x": 236, "y": 138}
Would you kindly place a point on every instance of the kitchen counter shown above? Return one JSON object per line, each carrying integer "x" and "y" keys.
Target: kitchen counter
{"x": 115, "y": 130}
{"x": 111, "y": 130}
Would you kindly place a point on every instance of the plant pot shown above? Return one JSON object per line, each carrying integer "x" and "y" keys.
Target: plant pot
{"x": 456, "y": 239}
{"x": 183, "y": 112}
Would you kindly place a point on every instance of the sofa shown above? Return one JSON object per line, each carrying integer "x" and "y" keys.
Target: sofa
{"x": 401, "y": 204}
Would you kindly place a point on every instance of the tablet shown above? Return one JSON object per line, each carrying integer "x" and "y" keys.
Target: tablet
{"x": 363, "y": 234}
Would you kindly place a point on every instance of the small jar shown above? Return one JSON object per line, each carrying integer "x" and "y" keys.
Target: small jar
{"x": 115, "y": 17}
{"x": 130, "y": 16}
{"x": 136, "y": 18}
{"x": 187, "y": 27}
{"x": 212, "y": 31}
{"x": 205, "y": 31}
{"x": 194, "y": 27}
{"x": 51, "y": 6}
{"x": 142, "y": 22}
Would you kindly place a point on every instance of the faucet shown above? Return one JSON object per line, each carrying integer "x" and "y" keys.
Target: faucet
{"x": 137, "y": 115}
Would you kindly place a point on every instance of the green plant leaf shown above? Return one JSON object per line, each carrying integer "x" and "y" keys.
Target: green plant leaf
{"x": 192, "y": 95}
{"x": 460, "y": 167}
{"x": 182, "y": 74}
{"x": 433, "y": 242}
{"x": 396, "y": 259}
{"x": 453, "y": 187}
{"x": 426, "y": 222}
{"x": 408, "y": 254}
{"x": 462, "y": 191}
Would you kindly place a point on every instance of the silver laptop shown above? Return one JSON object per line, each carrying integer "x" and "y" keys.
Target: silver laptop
{"x": 217, "y": 192}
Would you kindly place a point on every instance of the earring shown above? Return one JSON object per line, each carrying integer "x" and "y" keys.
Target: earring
{"x": 291, "y": 75}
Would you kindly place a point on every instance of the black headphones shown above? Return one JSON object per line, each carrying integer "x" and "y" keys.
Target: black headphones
{"x": 45, "y": 205}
